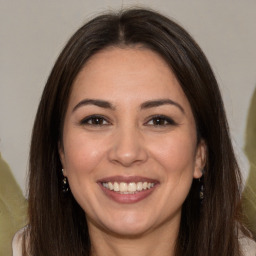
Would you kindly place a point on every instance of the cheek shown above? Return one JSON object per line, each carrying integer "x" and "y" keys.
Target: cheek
{"x": 82, "y": 155}
{"x": 176, "y": 154}
{"x": 177, "y": 158}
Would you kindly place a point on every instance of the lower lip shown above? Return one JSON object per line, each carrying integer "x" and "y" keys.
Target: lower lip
{"x": 127, "y": 198}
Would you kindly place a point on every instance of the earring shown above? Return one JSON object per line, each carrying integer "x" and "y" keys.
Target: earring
{"x": 201, "y": 193}
{"x": 201, "y": 190}
{"x": 65, "y": 186}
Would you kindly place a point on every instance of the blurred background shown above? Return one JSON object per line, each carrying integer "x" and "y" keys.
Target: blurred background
{"x": 32, "y": 34}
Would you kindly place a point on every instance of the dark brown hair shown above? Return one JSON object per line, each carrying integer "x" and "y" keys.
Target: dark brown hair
{"x": 57, "y": 224}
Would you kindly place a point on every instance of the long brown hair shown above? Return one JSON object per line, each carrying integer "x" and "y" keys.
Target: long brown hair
{"x": 57, "y": 224}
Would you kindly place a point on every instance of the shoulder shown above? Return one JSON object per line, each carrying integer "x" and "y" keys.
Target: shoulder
{"x": 248, "y": 246}
{"x": 17, "y": 243}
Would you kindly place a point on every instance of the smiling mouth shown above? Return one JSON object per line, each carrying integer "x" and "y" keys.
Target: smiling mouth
{"x": 127, "y": 187}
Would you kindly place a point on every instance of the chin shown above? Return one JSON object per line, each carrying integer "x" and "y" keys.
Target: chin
{"x": 128, "y": 227}
{"x": 130, "y": 232}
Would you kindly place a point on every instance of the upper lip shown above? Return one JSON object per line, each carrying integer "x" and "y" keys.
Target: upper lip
{"x": 127, "y": 179}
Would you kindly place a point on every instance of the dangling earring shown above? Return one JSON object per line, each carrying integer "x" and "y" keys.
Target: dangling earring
{"x": 201, "y": 189}
{"x": 65, "y": 186}
{"x": 201, "y": 193}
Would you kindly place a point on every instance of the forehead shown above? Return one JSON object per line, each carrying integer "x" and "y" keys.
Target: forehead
{"x": 128, "y": 74}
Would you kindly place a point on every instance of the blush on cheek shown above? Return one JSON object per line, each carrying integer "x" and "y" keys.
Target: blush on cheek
{"x": 176, "y": 157}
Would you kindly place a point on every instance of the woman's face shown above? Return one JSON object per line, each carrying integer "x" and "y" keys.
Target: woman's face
{"x": 130, "y": 148}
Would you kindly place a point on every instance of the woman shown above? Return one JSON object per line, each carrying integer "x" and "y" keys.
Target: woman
{"x": 130, "y": 150}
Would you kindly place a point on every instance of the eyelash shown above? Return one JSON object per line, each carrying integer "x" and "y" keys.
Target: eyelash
{"x": 161, "y": 120}
{"x": 167, "y": 121}
{"x": 92, "y": 118}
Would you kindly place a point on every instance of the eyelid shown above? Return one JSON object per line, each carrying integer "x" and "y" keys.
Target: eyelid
{"x": 85, "y": 120}
{"x": 166, "y": 118}
{"x": 169, "y": 120}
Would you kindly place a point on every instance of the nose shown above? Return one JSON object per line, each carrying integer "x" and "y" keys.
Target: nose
{"x": 128, "y": 148}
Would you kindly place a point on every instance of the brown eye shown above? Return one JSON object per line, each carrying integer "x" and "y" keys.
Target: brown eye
{"x": 160, "y": 121}
{"x": 95, "y": 121}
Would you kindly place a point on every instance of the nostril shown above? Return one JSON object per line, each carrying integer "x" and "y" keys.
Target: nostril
{"x": 128, "y": 154}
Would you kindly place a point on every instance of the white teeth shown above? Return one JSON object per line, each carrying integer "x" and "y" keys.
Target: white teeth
{"x": 123, "y": 187}
{"x": 128, "y": 188}
{"x": 110, "y": 185}
{"x": 132, "y": 187}
{"x": 116, "y": 186}
{"x": 105, "y": 185}
{"x": 139, "y": 186}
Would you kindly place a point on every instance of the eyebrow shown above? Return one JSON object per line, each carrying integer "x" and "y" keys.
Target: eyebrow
{"x": 160, "y": 102}
{"x": 145, "y": 105}
{"x": 96, "y": 102}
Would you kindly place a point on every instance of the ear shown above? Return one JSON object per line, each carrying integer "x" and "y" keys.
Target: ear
{"x": 62, "y": 157}
{"x": 200, "y": 159}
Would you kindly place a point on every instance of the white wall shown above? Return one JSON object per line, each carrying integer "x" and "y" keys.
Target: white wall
{"x": 32, "y": 33}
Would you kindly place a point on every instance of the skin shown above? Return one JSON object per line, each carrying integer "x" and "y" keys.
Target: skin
{"x": 128, "y": 141}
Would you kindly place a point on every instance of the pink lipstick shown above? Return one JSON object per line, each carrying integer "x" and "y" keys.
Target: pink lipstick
{"x": 127, "y": 189}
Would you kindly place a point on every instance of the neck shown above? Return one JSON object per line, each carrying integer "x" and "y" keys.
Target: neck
{"x": 160, "y": 241}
